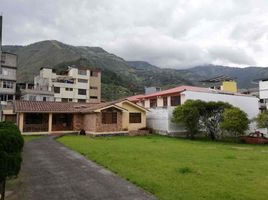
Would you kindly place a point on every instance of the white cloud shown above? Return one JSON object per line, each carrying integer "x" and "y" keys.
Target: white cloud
{"x": 173, "y": 33}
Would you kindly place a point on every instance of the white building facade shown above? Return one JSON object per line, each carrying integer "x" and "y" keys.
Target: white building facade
{"x": 8, "y": 77}
{"x": 263, "y": 93}
{"x": 76, "y": 85}
{"x": 161, "y": 105}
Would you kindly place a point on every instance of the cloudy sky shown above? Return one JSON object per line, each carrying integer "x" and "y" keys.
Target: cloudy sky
{"x": 171, "y": 33}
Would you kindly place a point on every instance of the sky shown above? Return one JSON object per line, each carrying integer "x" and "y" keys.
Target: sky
{"x": 172, "y": 33}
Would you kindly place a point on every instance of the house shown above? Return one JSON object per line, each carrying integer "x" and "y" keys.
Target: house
{"x": 161, "y": 104}
{"x": 51, "y": 117}
{"x": 73, "y": 85}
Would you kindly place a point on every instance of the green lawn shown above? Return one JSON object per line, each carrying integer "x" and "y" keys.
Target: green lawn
{"x": 173, "y": 168}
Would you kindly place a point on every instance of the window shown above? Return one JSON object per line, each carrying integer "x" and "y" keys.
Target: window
{"x": 93, "y": 88}
{"x": 153, "y": 103}
{"x": 44, "y": 99}
{"x": 175, "y": 100}
{"x": 81, "y": 100}
{"x": 33, "y": 118}
{"x": 82, "y": 91}
{"x": 82, "y": 80}
{"x": 68, "y": 89}
{"x": 164, "y": 101}
{"x": 109, "y": 117}
{"x": 134, "y": 117}
{"x": 64, "y": 99}
{"x": 82, "y": 72}
{"x": 56, "y": 89}
{"x": 94, "y": 73}
{"x": 8, "y": 84}
{"x": 93, "y": 97}
{"x": 6, "y": 97}
{"x": 32, "y": 98}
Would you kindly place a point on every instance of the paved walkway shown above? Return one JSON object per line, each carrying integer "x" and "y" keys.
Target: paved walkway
{"x": 51, "y": 171}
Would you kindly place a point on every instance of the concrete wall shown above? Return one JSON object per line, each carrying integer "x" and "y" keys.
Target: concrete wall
{"x": 248, "y": 104}
{"x": 36, "y": 97}
{"x": 230, "y": 86}
{"x": 263, "y": 89}
{"x": 9, "y": 59}
{"x": 159, "y": 119}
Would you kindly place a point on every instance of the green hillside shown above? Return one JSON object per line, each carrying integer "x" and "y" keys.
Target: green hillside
{"x": 118, "y": 77}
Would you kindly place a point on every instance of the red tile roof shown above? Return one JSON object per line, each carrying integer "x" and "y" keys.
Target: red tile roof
{"x": 135, "y": 97}
{"x": 49, "y": 106}
{"x": 178, "y": 90}
{"x": 62, "y": 107}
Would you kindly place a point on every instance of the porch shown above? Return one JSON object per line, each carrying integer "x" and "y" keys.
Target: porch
{"x": 45, "y": 122}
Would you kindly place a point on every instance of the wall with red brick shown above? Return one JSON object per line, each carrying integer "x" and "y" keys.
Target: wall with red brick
{"x": 89, "y": 122}
{"x": 100, "y": 127}
{"x": 78, "y": 122}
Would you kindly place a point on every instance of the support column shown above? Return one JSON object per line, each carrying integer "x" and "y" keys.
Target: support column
{"x": 21, "y": 121}
{"x": 50, "y": 122}
{"x": 168, "y": 101}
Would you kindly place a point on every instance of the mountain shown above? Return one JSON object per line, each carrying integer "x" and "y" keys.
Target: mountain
{"x": 119, "y": 78}
{"x": 245, "y": 77}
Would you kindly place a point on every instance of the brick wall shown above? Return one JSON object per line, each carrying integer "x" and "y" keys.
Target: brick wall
{"x": 100, "y": 127}
{"x": 78, "y": 122}
{"x": 89, "y": 122}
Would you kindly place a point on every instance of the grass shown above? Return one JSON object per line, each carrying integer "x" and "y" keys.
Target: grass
{"x": 176, "y": 169}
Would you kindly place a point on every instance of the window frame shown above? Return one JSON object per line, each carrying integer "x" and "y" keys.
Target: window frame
{"x": 109, "y": 118}
{"x": 135, "y": 118}
{"x": 83, "y": 93}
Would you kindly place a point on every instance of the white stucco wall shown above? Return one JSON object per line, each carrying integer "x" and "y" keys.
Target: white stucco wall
{"x": 248, "y": 104}
{"x": 263, "y": 89}
{"x": 159, "y": 119}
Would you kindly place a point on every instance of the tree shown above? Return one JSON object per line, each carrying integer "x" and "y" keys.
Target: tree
{"x": 188, "y": 114}
{"x": 235, "y": 121}
{"x": 262, "y": 120}
{"x": 11, "y": 144}
{"x": 211, "y": 115}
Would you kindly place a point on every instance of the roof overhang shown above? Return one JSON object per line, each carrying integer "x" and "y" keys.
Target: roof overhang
{"x": 135, "y": 105}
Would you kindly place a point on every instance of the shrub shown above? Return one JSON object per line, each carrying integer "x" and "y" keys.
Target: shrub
{"x": 189, "y": 115}
{"x": 235, "y": 121}
{"x": 197, "y": 114}
{"x": 262, "y": 120}
{"x": 11, "y": 144}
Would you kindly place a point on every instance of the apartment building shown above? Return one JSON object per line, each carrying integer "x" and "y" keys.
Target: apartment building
{"x": 73, "y": 85}
{"x": 8, "y": 71}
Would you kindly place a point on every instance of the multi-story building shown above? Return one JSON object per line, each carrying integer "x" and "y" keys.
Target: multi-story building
{"x": 8, "y": 71}
{"x": 263, "y": 93}
{"x": 74, "y": 85}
